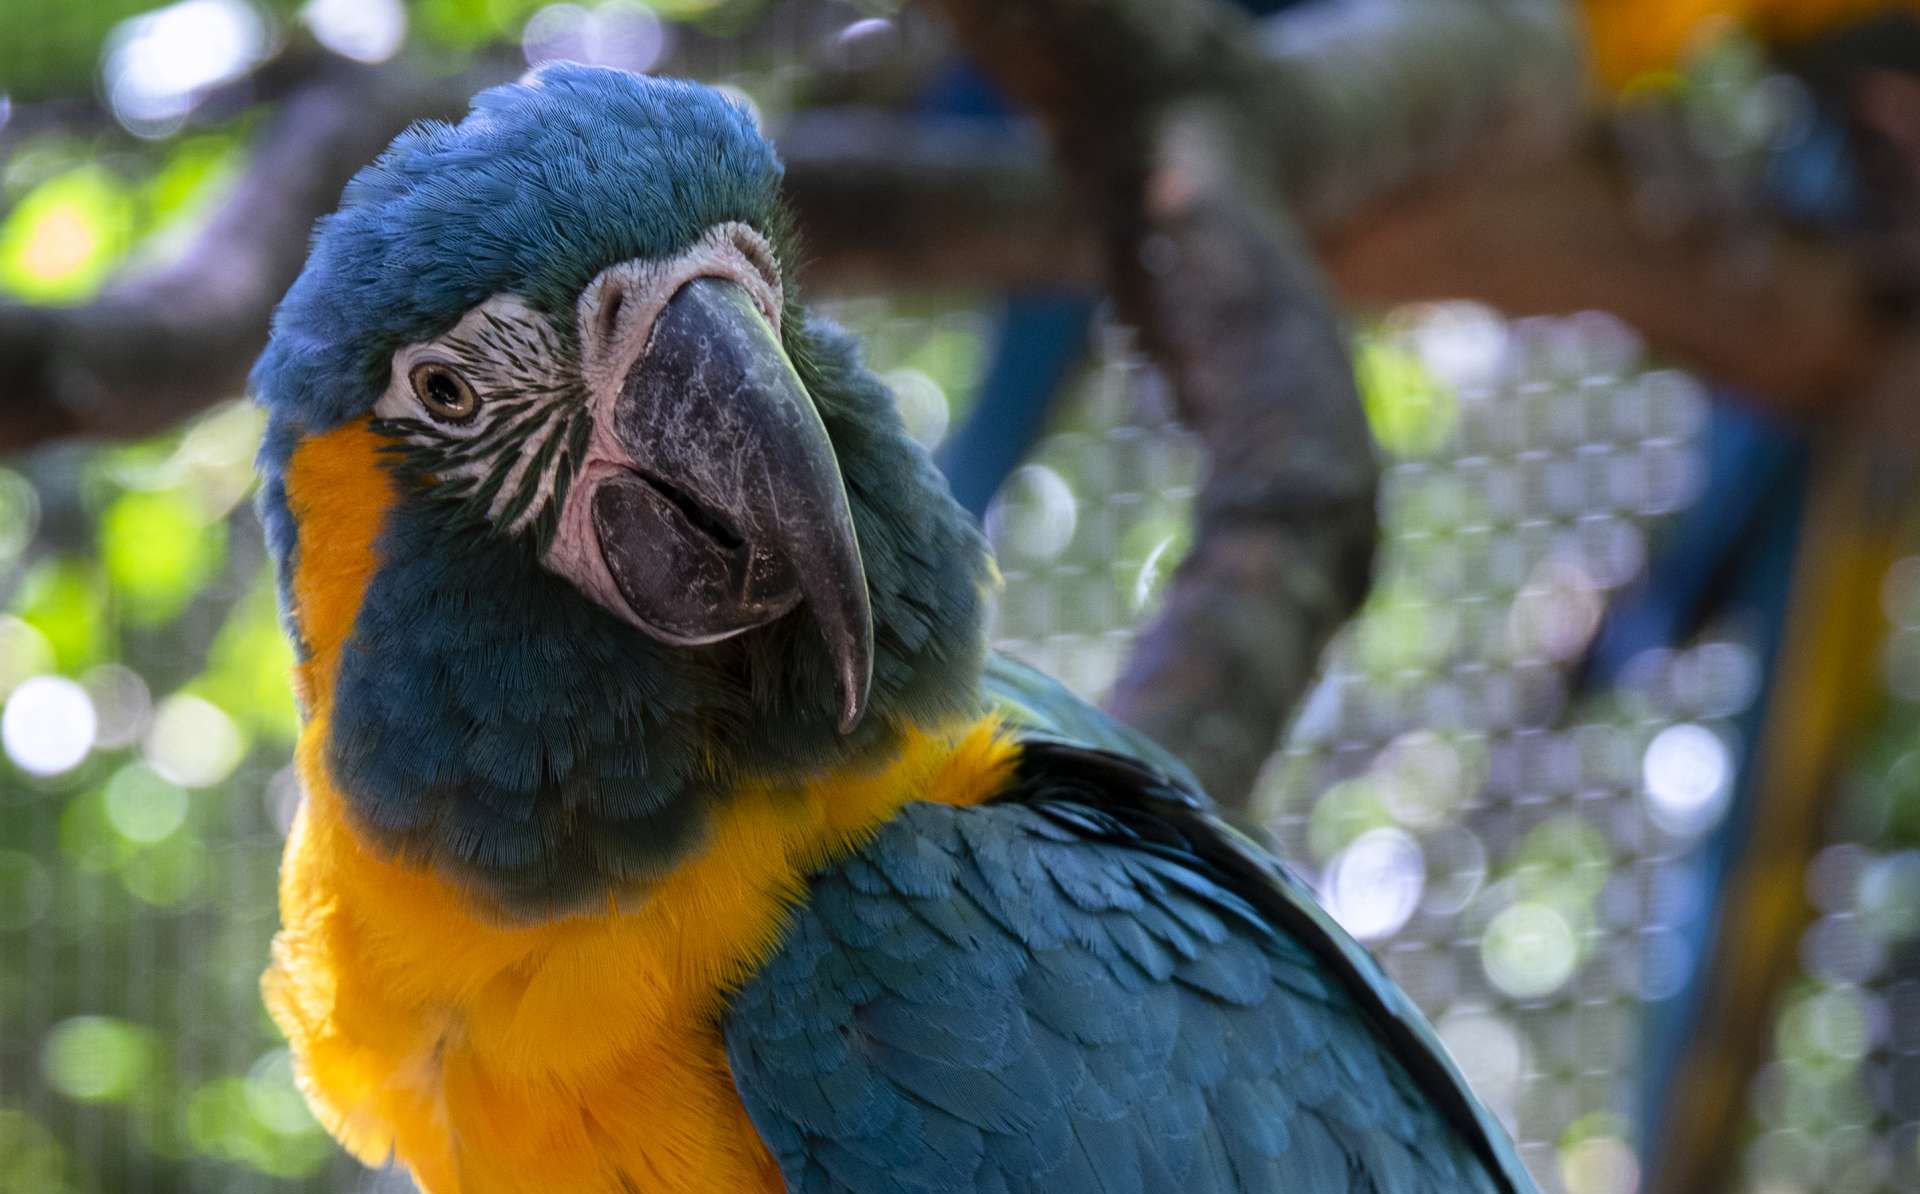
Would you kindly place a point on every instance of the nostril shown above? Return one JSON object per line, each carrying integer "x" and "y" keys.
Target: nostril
{"x": 613, "y": 300}
{"x": 755, "y": 251}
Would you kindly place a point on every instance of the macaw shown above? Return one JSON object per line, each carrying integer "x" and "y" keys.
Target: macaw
{"x": 1631, "y": 39}
{"x": 666, "y": 824}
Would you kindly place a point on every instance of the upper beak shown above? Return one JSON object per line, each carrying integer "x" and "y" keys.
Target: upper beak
{"x": 736, "y": 511}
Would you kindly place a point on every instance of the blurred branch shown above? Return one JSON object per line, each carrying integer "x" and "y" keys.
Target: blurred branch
{"x": 1191, "y": 143}
{"x": 899, "y": 202}
{"x": 166, "y": 339}
{"x": 1234, "y": 309}
{"x": 1349, "y": 106}
{"x": 1796, "y": 331}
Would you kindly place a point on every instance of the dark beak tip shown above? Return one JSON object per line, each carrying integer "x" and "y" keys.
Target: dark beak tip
{"x": 851, "y": 716}
{"x": 853, "y": 657}
{"x": 853, "y": 704}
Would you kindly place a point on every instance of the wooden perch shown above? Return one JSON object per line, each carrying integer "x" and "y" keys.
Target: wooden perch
{"x": 1796, "y": 332}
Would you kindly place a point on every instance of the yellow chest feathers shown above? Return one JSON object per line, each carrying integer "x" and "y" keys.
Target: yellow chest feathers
{"x": 565, "y": 1057}
{"x": 574, "y": 1056}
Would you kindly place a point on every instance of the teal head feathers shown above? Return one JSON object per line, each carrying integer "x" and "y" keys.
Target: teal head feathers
{"x": 647, "y": 528}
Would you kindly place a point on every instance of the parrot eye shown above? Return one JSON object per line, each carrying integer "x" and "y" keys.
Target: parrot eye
{"x": 446, "y": 395}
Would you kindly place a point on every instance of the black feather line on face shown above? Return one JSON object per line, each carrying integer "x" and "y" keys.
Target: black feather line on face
{"x": 531, "y": 478}
{"x": 534, "y": 437}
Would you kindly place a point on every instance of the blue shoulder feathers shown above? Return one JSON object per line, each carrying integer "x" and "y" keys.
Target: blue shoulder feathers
{"x": 1091, "y": 985}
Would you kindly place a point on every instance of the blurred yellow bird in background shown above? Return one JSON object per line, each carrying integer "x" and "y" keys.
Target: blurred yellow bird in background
{"x": 1632, "y": 39}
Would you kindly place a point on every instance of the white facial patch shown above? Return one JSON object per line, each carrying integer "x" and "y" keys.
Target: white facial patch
{"x": 542, "y": 427}
{"x": 617, "y": 310}
{"x": 615, "y": 317}
{"x": 531, "y": 404}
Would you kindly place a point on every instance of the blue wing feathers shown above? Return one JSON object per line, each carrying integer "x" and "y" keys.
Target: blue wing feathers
{"x": 1090, "y": 987}
{"x": 984, "y": 1004}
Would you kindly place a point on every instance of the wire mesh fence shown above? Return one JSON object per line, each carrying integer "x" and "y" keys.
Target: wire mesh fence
{"x": 1512, "y": 850}
{"x": 1494, "y": 845}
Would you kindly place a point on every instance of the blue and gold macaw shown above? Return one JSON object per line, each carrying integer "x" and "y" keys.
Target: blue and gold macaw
{"x": 666, "y": 825}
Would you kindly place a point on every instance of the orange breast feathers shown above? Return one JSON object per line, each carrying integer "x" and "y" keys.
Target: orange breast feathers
{"x": 574, "y": 1056}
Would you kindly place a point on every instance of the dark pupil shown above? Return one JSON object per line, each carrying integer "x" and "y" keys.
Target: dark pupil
{"x": 444, "y": 390}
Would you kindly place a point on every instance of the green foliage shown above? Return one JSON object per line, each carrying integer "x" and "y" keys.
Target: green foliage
{"x": 470, "y": 24}
{"x": 31, "y": 1160}
{"x": 51, "y": 48}
{"x": 64, "y": 599}
{"x": 73, "y": 219}
{"x": 191, "y": 173}
{"x": 249, "y": 665}
{"x": 65, "y": 235}
{"x": 157, "y": 552}
{"x": 1412, "y": 413}
{"x": 98, "y": 1058}
{"x": 139, "y": 573}
{"x": 258, "y": 1121}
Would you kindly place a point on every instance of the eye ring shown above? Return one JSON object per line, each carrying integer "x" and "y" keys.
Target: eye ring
{"x": 447, "y": 396}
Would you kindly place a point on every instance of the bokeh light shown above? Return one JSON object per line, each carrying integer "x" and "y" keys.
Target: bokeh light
{"x": 57, "y": 245}
{"x": 24, "y": 653}
{"x": 48, "y": 725}
{"x": 1688, "y": 771}
{"x": 922, "y": 404}
{"x": 1601, "y": 1165}
{"x": 1529, "y": 950}
{"x": 615, "y": 33}
{"x": 1375, "y": 884}
{"x": 366, "y": 30}
{"x": 193, "y": 742}
{"x": 1035, "y": 515}
{"x": 142, "y": 806}
{"x": 122, "y": 704}
{"x": 97, "y": 1058}
{"x": 1491, "y": 1052}
{"x": 156, "y": 66}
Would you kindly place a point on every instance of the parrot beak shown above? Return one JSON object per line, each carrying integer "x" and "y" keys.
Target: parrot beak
{"x": 734, "y": 512}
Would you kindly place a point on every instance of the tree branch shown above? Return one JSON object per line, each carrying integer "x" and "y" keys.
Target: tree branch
{"x": 167, "y": 339}
{"x": 1471, "y": 101}
{"x": 893, "y": 202}
{"x": 1160, "y": 115}
{"x": 1798, "y": 333}
{"x": 1284, "y": 528}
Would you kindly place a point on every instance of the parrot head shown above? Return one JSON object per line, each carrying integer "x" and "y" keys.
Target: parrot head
{"x": 638, "y": 527}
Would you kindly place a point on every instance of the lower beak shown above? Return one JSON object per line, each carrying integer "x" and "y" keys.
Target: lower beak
{"x": 735, "y": 512}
